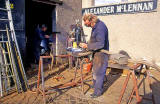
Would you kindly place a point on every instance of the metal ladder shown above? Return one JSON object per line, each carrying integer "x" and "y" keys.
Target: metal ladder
{"x": 8, "y": 72}
{"x": 10, "y": 56}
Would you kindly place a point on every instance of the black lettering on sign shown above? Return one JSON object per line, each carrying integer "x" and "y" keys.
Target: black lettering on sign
{"x": 145, "y": 6}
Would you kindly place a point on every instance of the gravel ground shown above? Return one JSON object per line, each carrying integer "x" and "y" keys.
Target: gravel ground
{"x": 112, "y": 89}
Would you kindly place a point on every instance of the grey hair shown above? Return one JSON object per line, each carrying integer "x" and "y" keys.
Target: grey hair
{"x": 91, "y": 17}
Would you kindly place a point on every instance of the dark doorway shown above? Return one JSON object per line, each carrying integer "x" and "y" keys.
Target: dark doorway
{"x": 41, "y": 14}
{"x": 37, "y": 14}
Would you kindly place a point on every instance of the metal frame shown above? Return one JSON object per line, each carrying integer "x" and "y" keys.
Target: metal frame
{"x": 41, "y": 74}
{"x": 136, "y": 86}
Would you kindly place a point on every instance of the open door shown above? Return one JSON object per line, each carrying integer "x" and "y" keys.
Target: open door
{"x": 38, "y": 13}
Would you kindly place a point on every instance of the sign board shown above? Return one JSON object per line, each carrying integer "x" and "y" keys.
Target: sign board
{"x": 136, "y": 7}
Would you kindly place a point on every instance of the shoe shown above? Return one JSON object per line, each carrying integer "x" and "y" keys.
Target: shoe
{"x": 95, "y": 95}
{"x": 92, "y": 86}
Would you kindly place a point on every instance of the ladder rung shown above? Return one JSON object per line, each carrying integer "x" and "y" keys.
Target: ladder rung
{"x": 10, "y": 88}
{"x": 7, "y": 76}
{"x": 4, "y": 41}
{"x": 4, "y": 30}
{"x": 6, "y": 65}
{"x": 3, "y": 9}
{"x": 5, "y": 52}
{"x": 4, "y": 19}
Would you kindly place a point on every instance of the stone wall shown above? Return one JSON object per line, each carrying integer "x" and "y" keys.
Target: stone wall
{"x": 67, "y": 14}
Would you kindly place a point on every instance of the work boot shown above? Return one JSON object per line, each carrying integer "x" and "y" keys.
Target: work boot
{"x": 93, "y": 95}
{"x": 97, "y": 93}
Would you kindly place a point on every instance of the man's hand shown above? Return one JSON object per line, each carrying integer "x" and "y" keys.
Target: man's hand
{"x": 83, "y": 45}
{"x": 71, "y": 39}
{"x": 46, "y": 36}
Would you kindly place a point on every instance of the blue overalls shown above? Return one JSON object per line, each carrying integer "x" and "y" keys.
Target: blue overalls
{"x": 99, "y": 40}
{"x": 39, "y": 36}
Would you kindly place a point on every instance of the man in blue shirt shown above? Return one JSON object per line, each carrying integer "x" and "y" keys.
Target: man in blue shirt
{"x": 98, "y": 40}
{"x": 40, "y": 34}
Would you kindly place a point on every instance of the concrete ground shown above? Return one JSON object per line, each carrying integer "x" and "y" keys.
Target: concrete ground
{"x": 61, "y": 74}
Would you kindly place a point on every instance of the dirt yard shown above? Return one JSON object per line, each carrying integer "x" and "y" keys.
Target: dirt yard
{"x": 73, "y": 95}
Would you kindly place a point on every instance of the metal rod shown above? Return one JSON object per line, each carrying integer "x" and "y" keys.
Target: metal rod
{"x": 5, "y": 65}
{"x": 3, "y": 9}
{"x": 1, "y": 19}
{"x": 3, "y": 41}
{"x": 82, "y": 83}
{"x": 136, "y": 87}
{"x": 124, "y": 87}
{"x": 133, "y": 90}
{"x": 2, "y": 30}
{"x": 144, "y": 87}
{"x": 75, "y": 74}
{"x": 42, "y": 74}
{"x": 39, "y": 77}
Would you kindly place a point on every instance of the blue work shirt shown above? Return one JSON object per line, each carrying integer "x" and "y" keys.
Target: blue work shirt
{"x": 39, "y": 36}
{"x": 99, "y": 40}
{"x": 99, "y": 37}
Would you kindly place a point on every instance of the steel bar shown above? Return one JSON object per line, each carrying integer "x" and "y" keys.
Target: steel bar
{"x": 124, "y": 87}
{"x": 76, "y": 68}
{"x": 42, "y": 74}
{"x": 4, "y": 41}
{"x": 136, "y": 87}
{"x": 133, "y": 91}
{"x": 39, "y": 76}
{"x": 2, "y": 30}
{"x": 81, "y": 69}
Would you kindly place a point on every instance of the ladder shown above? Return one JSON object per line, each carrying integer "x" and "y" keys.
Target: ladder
{"x": 11, "y": 65}
{"x": 7, "y": 68}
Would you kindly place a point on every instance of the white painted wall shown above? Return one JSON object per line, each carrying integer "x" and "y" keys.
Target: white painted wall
{"x": 138, "y": 34}
{"x": 87, "y": 3}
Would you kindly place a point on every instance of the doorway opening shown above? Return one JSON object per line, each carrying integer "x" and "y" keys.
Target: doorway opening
{"x": 37, "y": 14}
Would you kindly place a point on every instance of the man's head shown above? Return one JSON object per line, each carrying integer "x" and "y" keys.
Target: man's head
{"x": 44, "y": 27}
{"x": 90, "y": 19}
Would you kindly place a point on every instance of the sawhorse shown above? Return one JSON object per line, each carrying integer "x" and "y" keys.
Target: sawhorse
{"x": 41, "y": 74}
{"x": 135, "y": 85}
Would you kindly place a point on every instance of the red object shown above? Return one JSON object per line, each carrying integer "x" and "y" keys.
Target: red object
{"x": 87, "y": 67}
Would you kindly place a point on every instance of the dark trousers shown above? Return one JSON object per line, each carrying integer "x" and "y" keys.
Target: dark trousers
{"x": 37, "y": 53}
{"x": 100, "y": 63}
